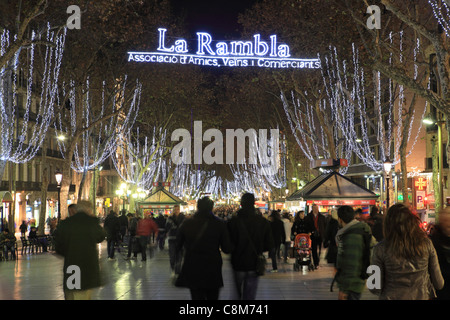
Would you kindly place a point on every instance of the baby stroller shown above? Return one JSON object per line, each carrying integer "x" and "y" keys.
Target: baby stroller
{"x": 302, "y": 252}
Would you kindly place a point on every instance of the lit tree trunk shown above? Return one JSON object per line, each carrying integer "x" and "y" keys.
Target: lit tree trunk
{"x": 82, "y": 183}
{"x": 94, "y": 185}
{"x": 66, "y": 181}
{"x": 44, "y": 188}
{"x": 402, "y": 149}
{"x": 12, "y": 190}
{"x": 3, "y": 164}
{"x": 436, "y": 186}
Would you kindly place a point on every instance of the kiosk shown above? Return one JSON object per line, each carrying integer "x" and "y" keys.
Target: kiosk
{"x": 160, "y": 201}
{"x": 333, "y": 189}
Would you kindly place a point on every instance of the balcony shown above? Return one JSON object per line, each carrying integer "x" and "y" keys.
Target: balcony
{"x": 32, "y": 186}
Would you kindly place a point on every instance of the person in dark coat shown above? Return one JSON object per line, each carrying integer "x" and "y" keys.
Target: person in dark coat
{"x": 316, "y": 225}
{"x": 161, "y": 221}
{"x": 174, "y": 221}
{"x": 23, "y": 228}
{"x": 376, "y": 224}
{"x": 112, "y": 228}
{"x": 203, "y": 236}
{"x": 247, "y": 228}
{"x": 279, "y": 237}
{"x": 329, "y": 240}
{"x": 123, "y": 222}
{"x": 299, "y": 225}
{"x": 76, "y": 239}
{"x": 441, "y": 242}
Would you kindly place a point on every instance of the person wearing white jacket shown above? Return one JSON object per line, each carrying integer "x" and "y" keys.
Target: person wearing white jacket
{"x": 287, "y": 221}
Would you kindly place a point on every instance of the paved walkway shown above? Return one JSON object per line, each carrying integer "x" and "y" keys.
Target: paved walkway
{"x": 39, "y": 277}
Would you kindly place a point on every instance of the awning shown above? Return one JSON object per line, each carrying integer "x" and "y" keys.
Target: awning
{"x": 161, "y": 198}
{"x": 334, "y": 189}
{"x": 6, "y": 196}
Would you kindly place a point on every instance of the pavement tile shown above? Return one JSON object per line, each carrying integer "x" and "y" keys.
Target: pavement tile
{"x": 39, "y": 277}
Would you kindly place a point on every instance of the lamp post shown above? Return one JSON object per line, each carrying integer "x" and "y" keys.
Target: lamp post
{"x": 58, "y": 177}
{"x": 428, "y": 120}
{"x": 387, "y": 169}
{"x": 122, "y": 192}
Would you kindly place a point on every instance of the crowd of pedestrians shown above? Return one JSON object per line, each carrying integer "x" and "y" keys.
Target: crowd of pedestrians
{"x": 411, "y": 264}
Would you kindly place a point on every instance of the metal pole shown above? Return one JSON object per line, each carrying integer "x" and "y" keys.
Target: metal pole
{"x": 396, "y": 188}
{"x": 387, "y": 191}
{"x": 59, "y": 203}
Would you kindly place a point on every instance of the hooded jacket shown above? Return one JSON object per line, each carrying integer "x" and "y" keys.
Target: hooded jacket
{"x": 349, "y": 261}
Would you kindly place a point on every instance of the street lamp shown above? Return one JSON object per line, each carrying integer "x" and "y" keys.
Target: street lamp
{"x": 122, "y": 192}
{"x": 387, "y": 168}
{"x": 58, "y": 177}
{"x": 429, "y": 120}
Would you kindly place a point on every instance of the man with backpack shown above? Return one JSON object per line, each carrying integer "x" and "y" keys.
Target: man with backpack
{"x": 353, "y": 257}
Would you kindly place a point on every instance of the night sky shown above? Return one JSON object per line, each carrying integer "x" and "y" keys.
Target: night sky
{"x": 218, "y": 17}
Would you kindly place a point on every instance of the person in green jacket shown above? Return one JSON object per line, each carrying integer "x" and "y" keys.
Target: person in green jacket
{"x": 351, "y": 244}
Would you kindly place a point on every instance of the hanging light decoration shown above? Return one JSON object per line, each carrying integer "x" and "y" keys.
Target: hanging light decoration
{"x": 24, "y": 124}
{"x": 141, "y": 160}
{"x": 441, "y": 11}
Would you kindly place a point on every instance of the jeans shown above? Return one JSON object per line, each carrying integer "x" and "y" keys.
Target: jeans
{"x": 161, "y": 239}
{"x": 175, "y": 257}
{"x": 110, "y": 247}
{"x": 143, "y": 240}
{"x": 246, "y": 284}
{"x": 316, "y": 248}
{"x": 9, "y": 247}
{"x": 130, "y": 245}
{"x": 274, "y": 256}
{"x": 287, "y": 246}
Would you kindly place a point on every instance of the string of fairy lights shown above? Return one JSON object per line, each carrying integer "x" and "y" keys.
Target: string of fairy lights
{"x": 441, "y": 11}
{"x": 139, "y": 160}
{"x": 100, "y": 137}
{"x": 24, "y": 122}
{"x": 357, "y": 124}
{"x": 143, "y": 160}
{"x": 346, "y": 91}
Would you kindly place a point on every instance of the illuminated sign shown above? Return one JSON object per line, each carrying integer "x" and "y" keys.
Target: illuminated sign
{"x": 346, "y": 202}
{"x": 329, "y": 163}
{"x": 421, "y": 184}
{"x": 254, "y": 53}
